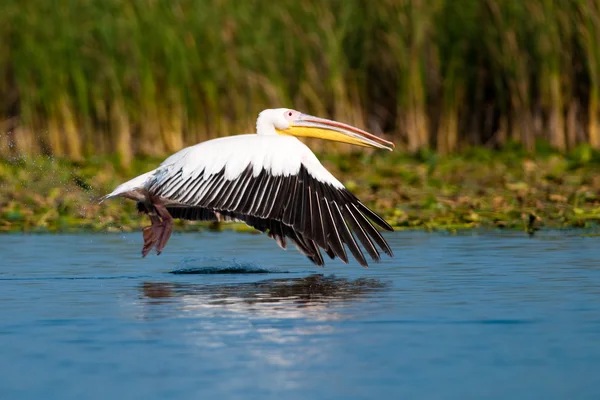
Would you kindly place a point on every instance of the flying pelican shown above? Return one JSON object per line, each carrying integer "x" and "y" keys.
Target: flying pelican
{"x": 269, "y": 180}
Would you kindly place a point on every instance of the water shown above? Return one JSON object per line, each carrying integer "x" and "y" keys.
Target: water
{"x": 226, "y": 315}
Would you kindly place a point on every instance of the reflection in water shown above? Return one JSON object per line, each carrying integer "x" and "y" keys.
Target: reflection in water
{"x": 283, "y": 297}
{"x": 271, "y": 317}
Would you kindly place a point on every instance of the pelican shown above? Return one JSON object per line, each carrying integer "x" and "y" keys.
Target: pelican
{"x": 269, "y": 180}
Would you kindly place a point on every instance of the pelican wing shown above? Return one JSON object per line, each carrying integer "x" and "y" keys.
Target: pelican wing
{"x": 280, "y": 188}
{"x": 275, "y": 229}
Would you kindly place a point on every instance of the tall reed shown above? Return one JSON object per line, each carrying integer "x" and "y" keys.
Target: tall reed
{"x": 150, "y": 76}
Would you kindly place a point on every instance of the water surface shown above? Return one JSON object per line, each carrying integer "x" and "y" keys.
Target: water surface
{"x": 230, "y": 315}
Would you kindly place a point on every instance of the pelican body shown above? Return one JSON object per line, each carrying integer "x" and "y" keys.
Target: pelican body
{"x": 269, "y": 180}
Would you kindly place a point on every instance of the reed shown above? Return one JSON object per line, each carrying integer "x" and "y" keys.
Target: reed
{"x": 588, "y": 30}
{"x": 146, "y": 77}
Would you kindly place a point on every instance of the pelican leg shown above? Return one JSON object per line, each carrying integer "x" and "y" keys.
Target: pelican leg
{"x": 150, "y": 233}
{"x": 158, "y": 233}
{"x": 165, "y": 227}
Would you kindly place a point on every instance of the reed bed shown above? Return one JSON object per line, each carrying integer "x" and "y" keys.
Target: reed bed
{"x": 146, "y": 77}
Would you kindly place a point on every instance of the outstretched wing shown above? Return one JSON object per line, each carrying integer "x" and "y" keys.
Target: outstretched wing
{"x": 284, "y": 191}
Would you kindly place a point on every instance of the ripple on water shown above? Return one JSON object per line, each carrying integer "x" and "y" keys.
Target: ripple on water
{"x": 215, "y": 265}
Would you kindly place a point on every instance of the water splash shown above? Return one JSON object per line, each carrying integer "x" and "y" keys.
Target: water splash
{"x": 217, "y": 265}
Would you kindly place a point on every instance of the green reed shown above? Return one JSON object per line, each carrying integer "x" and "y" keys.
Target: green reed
{"x": 150, "y": 76}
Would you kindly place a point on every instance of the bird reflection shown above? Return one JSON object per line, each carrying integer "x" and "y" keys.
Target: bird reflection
{"x": 285, "y": 297}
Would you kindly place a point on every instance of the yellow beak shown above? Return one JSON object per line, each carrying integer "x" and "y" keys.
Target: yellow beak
{"x": 321, "y": 128}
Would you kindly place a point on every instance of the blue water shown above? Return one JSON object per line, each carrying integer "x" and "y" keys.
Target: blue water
{"x": 230, "y": 315}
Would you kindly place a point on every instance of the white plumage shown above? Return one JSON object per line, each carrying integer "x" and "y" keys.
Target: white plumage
{"x": 276, "y": 155}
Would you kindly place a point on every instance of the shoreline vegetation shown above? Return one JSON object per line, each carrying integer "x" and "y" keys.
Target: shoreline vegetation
{"x": 145, "y": 78}
{"x": 494, "y": 105}
{"x": 475, "y": 188}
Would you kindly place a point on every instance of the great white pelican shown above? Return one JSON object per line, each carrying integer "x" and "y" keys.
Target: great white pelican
{"x": 269, "y": 180}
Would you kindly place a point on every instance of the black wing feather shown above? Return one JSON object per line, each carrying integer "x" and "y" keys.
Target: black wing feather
{"x": 299, "y": 209}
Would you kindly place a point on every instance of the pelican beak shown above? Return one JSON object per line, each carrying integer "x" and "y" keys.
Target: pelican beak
{"x": 309, "y": 126}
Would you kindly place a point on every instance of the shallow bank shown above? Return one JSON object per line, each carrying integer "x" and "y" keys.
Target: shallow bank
{"x": 478, "y": 188}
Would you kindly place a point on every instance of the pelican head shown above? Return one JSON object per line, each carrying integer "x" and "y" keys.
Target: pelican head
{"x": 284, "y": 121}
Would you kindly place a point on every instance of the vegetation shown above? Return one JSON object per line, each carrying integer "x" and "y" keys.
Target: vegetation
{"x": 146, "y": 77}
{"x": 476, "y": 188}
{"x": 494, "y": 104}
